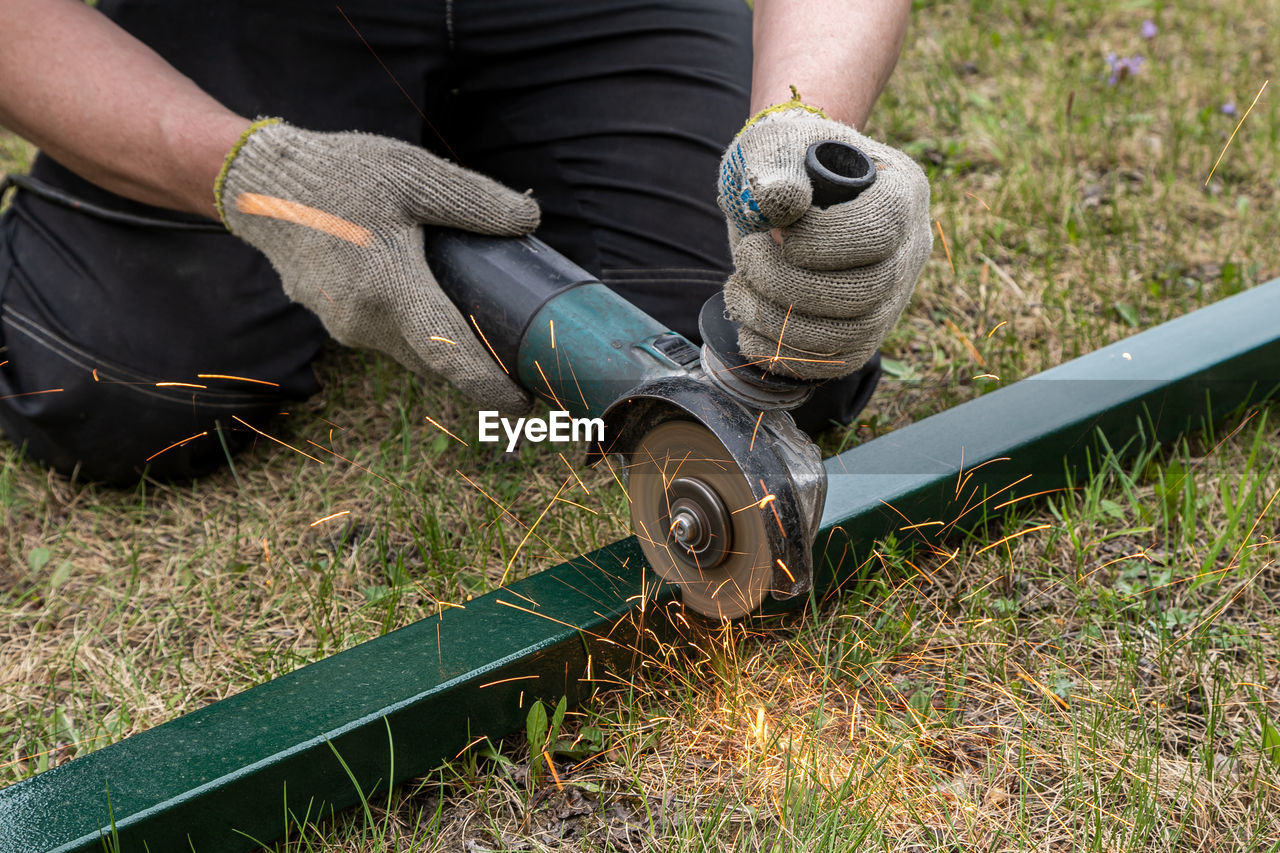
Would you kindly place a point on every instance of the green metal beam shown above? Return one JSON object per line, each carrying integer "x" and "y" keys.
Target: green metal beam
{"x": 220, "y": 779}
{"x": 215, "y": 779}
{"x": 1153, "y": 386}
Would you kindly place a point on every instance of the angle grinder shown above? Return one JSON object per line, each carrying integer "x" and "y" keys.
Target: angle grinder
{"x": 725, "y": 491}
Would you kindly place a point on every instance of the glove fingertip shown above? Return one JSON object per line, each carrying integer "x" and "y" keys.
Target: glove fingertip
{"x": 506, "y": 213}
{"x": 521, "y": 216}
{"x": 762, "y": 193}
{"x": 785, "y": 198}
{"x": 471, "y": 368}
{"x": 499, "y": 393}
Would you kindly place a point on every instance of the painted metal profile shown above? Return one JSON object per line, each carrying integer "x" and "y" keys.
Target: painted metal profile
{"x": 221, "y": 778}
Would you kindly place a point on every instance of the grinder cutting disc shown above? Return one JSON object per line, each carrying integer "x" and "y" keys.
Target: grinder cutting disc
{"x": 695, "y": 516}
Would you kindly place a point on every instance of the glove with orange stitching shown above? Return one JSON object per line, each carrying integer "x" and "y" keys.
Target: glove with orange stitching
{"x": 340, "y": 217}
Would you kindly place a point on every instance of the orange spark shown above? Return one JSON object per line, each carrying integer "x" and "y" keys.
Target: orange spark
{"x": 1266, "y": 509}
{"x": 1058, "y": 700}
{"x": 320, "y": 521}
{"x": 177, "y": 444}
{"x": 273, "y": 438}
{"x": 1234, "y": 132}
{"x": 553, "y": 333}
{"x": 760, "y": 504}
{"x": 578, "y": 505}
{"x": 614, "y": 473}
{"x": 536, "y": 521}
{"x": 476, "y": 486}
{"x": 180, "y": 385}
{"x": 442, "y": 340}
{"x": 550, "y": 765}
{"x": 964, "y": 339}
{"x": 970, "y": 508}
{"x": 768, "y": 500}
{"x": 28, "y": 757}
{"x": 354, "y": 463}
{"x": 982, "y": 465}
{"x": 238, "y": 379}
{"x": 1012, "y": 501}
{"x": 784, "y": 568}
{"x": 945, "y": 246}
{"x": 446, "y": 432}
{"x": 978, "y": 200}
{"x": 577, "y": 628}
{"x": 759, "y": 418}
{"x": 551, "y": 391}
{"x": 509, "y": 680}
{"x": 255, "y": 204}
{"x": 1013, "y": 536}
{"x": 997, "y": 328}
{"x": 782, "y": 333}
{"x": 32, "y": 393}
{"x": 477, "y": 740}
{"x": 920, "y": 525}
{"x": 573, "y": 373}
{"x": 519, "y": 594}
{"x": 581, "y": 484}
{"x": 488, "y": 346}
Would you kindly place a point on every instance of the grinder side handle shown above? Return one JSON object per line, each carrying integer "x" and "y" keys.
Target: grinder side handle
{"x": 837, "y": 171}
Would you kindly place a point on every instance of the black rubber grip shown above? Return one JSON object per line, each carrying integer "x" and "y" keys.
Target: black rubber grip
{"x": 838, "y": 171}
{"x": 500, "y": 283}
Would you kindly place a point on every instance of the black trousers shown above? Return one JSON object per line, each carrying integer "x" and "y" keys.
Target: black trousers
{"x": 614, "y": 114}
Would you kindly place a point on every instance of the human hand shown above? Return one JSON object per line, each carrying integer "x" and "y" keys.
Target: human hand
{"x": 816, "y": 290}
{"x": 340, "y": 217}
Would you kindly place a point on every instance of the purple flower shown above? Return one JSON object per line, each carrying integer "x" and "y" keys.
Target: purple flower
{"x": 1149, "y": 29}
{"x": 1228, "y": 109}
{"x": 1123, "y": 66}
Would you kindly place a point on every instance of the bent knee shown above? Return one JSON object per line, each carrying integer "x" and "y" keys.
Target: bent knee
{"x": 107, "y": 426}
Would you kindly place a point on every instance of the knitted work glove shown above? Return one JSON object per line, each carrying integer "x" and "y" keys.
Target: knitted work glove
{"x": 818, "y": 305}
{"x": 340, "y": 217}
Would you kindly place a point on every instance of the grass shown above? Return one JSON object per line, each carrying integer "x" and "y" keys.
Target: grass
{"x": 1108, "y": 682}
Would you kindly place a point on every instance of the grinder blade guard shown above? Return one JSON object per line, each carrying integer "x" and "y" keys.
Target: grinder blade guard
{"x": 724, "y": 501}
{"x": 726, "y": 492}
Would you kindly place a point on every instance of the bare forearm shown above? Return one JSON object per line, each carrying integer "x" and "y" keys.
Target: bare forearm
{"x": 837, "y": 53}
{"x": 108, "y": 107}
